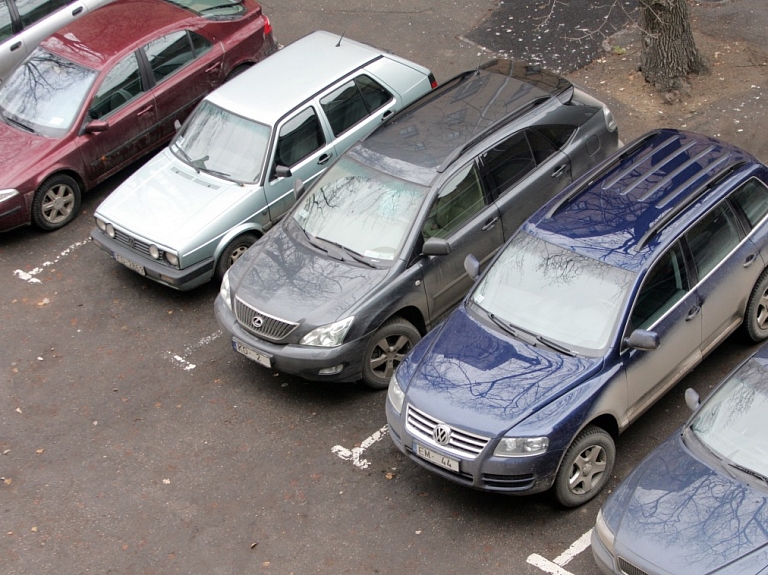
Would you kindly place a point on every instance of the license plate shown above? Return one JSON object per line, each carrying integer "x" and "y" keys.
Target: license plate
{"x": 139, "y": 269}
{"x": 250, "y": 353}
{"x": 435, "y": 457}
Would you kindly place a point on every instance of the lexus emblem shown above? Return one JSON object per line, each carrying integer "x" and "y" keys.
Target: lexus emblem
{"x": 257, "y": 322}
{"x": 442, "y": 434}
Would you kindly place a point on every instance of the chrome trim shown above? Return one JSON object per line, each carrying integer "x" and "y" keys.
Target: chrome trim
{"x": 262, "y": 324}
{"x": 460, "y": 443}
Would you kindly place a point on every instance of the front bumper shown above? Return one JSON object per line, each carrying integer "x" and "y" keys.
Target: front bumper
{"x": 602, "y": 556}
{"x": 304, "y": 361}
{"x": 183, "y": 280}
{"x": 511, "y": 475}
{"x": 14, "y": 212}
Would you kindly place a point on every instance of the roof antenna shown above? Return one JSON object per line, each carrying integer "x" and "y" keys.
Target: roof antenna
{"x": 340, "y": 39}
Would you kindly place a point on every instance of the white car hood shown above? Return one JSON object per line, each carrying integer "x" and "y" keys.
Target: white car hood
{"x": 169, "y": 203}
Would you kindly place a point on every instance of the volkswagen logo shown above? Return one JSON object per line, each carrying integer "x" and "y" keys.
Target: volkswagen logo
{"x": 257, "y": 322}
{"x": 442, "y": 434}
{"x": 131, "y": 243}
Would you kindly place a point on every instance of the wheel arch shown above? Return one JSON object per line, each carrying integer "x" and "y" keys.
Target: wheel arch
{"x": 232, "y": 234}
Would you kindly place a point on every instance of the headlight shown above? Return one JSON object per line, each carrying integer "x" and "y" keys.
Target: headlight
{"x": 154, "y": 251}
{"x": 224, "y": 291}
{"x": 521, "y": 446}
{"x": 171, "y": 258}
{"x": 8, "y": 194}
{"x": 604, "y": 533}
{"x": 331, "y": 335}
{"x": 101, "y": 224}
{"x": 395, "y": 394}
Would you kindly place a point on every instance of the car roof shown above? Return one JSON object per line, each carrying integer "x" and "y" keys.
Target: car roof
{"x": 429, "y": 135}
{"x": 291, "y": 76}
{"x": 620, "y": 211}
{"x": 115, "y": 29}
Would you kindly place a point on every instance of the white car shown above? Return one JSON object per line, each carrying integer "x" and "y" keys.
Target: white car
{"x": 26, "y": 23}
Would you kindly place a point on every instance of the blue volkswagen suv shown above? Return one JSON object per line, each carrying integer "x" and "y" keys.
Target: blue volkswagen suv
{"x": 594, "y": 309}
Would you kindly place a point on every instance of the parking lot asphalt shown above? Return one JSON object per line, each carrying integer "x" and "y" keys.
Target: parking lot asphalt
{"x": 133, "y": 440}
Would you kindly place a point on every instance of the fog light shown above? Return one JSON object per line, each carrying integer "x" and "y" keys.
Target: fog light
{"x": 331, "y": 370}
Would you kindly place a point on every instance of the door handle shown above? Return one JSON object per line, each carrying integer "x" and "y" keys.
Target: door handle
{"x": 489, "y": 224}
{"x": 559, "y": 171}
{"x": 387, "y": 114}
{"x": 693, "y": 313}
{"x": 750, "y": 260}
{"x": 323, "y": 159}
{"x": 144, "y": 110}
{"x": 213, "y": 67}
{"x": 77, "y": 11}
{"x": 16, "y": 46}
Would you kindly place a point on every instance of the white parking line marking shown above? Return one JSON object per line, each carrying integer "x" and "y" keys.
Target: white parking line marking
{"x": 354, "y": 454}
{"x": 29, "y": 276}
{"x": 182, "y": 360}
{"x": 556, "y": 567}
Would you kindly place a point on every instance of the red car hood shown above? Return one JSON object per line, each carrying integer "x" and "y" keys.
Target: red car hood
{"x": 22, "y": 154}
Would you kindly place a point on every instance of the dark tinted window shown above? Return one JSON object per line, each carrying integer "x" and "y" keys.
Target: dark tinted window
{"x": 558, "y": 135}
{"x": 665, "y": 285}
{"x": 168, "y": 54}
{"x": 6, "y": 26}
{"x": 299, "y": 137}
{"x": 508, "y": 162}
{"x": 752, "y": 198}
{"x": 350, "y": 103}
{"x": 713, "y": 238}
{"x": 32, "y": 11}
{"x": 200, "y": 44}
{"x": 458, "y": 201}
{"x": 121, "y": 85}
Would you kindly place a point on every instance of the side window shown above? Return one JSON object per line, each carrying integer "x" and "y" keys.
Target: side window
{"x": 752, "y": 198}
{"x": 121, "y": 85}
{"x": 508, "y": 162}
{"x": 458, "y": 201}
{"x": 298, "y": 138}
{"x": 199, "y": 44}
{"x": 665, "y": 285}
{"x": 6, "y": 24}
{"x": 557, "y": 134}
{"x": 168, "y": 54}
{"x": 712, "y": 238}
{"x": 353, "y": 101}
{"x": 31, "y": 11}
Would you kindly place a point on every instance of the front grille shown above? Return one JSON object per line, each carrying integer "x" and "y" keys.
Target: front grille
{"x": 461, "y": 443}
{"x": 629, "y": 569}
{"x": 139, "y": 246}
{"x": 262, "y": 324}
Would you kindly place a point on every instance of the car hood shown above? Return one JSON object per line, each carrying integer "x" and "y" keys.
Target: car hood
{"x": 169, "y": 204}
{"x": 484, "y": 381}
{"x": 21, "y": 154}
{"x": 294, "y": 282}
{"x": 686, "y": 518}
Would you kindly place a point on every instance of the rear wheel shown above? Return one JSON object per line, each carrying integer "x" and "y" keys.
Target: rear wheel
{"x": 56, "y": 202}
{"x": 232, "y": 253}
{"x": 586, "y": 467}
{"x": 386, "y": 350}
{"x": 756, "y": 316}
{"x": 236, "y": 71}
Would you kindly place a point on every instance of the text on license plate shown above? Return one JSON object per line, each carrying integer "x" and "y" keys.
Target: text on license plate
{"x": 252, "y": 353}
{"x": 435, "y": 457}
{"x": 139, "y": 269}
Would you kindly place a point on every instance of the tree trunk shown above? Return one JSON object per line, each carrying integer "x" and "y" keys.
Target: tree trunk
{"x": 668, "y": 53}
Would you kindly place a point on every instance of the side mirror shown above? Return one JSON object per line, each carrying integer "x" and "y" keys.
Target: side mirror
{"x": 436, "y": 247}
{"x": 96, "y": 126}
{"x": 692, "y": 399}
{"x": 282, "y": 171}
{"x": 298, "y": 186}
{"x": 643, "y": 339}
{"x": 472, "y": 266}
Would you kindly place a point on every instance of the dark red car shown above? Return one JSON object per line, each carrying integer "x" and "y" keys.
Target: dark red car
{"x": 108, "y": 89}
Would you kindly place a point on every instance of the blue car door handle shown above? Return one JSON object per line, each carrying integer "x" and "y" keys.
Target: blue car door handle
{"x": 750, "y": 260}
{"x": 693, "y": 313}
{"x": 323, "y": 159}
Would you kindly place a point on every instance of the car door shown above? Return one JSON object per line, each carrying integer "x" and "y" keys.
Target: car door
{"x": 668, "y": 306}
{"x": 185, "y": 66}
{"x": 462, "y": 215}
{"x": 302, "y": 146}
{"x": 522, "y": 172}
{"x": 119, "y": 121}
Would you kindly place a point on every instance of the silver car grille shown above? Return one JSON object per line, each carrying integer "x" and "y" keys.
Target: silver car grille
{"x": 461, "y": 443}
{"x": 629, "y": 569}
{"x": 138, "y": 246}
{"x": 262, "y": 324}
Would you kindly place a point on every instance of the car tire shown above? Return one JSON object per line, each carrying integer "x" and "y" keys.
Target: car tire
{"x": 756, "y": 317}
{"x": 386, "y": 349}
{"x": 236, "y": 71}
{"x": 586, "y": 467}
{"x": 232, "y": 253}
{"x": 56, "y": 203}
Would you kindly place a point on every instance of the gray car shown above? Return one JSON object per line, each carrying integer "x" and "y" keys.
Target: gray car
{"x": 372, "y": 255}
{"x": 228, "y": 176}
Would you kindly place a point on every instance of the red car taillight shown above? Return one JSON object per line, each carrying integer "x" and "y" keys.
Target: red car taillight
{"x": 432, "y": 81}
{"x": 267, "y": 26}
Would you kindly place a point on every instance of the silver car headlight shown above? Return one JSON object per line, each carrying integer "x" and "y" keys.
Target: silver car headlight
{"x": 604, "y": 533}
{"x": 171, "y": 258}
{"x": 224, "y": 292}
{"x": 521, "y": 446}
{"x": 395, "y": 394}
{"x": 8, "y": 194}
{"x": 331, "y": 335}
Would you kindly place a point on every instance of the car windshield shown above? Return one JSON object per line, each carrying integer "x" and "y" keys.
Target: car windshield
{"x": 554, "y": 293}
{"x": 220, "y": 142}
{"x": 361, "y": 209}
{"x": 732, "y": 421}
{"x": 212, "y": 8}
{"x": 45, "y": 94}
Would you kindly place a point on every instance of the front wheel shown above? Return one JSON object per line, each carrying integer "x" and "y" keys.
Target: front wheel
{"x": 56, "y": 203}
{"x": 386, "y": 350}
{"x": 232, "y": 253}
{"x": 756, "y": 316}
{"x": 586, "y": 467}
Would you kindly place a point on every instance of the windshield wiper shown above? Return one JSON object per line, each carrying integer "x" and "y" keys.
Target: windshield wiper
{"x": 358, "y": 257}
{"x": 20, "y": 125}
{"x": 748, "y": 471}
{"x": 220, "y": 6}
{"x": 554, "y": 345}
{"x": 221, "y": 175}
{"x": 532, "y": 338}
{"x": 312, "y": 241}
